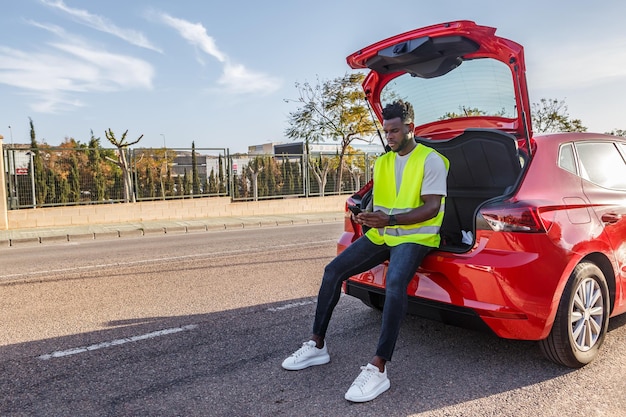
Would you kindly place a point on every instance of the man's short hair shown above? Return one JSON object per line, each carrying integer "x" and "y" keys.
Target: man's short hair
{"x": 401, "y": 109}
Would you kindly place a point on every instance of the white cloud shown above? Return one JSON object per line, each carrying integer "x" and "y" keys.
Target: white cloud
{"x": 55, "y": 102}
{"x": 54, "y": 29}
{"x": 55, "y": 76}
{"x": 103, "y": 24}
{"x": 236, "y": 78}
{"x": 196, "y": 34}
{"x": 109, "y": 71}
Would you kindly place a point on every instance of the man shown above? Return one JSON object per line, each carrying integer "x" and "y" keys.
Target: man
{"x": 409, "y": 194}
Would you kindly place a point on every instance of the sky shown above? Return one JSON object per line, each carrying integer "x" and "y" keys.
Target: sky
{"x": 222, "y": 74}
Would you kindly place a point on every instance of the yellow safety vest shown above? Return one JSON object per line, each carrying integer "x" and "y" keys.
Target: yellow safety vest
{"x": 386, "y": 200}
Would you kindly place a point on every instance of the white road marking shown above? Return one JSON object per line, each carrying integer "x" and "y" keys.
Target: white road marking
{"x": 117, "y": 342}
{"x": 298, "y": 304}
{"x": 291, "y": 305}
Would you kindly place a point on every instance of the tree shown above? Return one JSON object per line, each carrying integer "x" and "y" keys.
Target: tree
{"x": 98, "y": 188}
{"x": 320, "y": 168}
{"x": 212, "y": 183}
{"x": 149, "y": 190}
{"x": 64, "y": 189}
{"x": 160, "y": 166}
{"x": 617, "y": 132}
{"x": 118, "y": 185}
{"x": 286, "y": 172}
{"x": 195, "y": 179}
{"x": 334, "y": 109}
{"x": 220, "y": 175}
{"x": 254, "y": 168}
{"x": 187, "y": 184}
{"x": 550, "y": 115}
{"x": 41, "y": 185}
{"x": 51, "y": 196}
{"x": 74, "y": 180}
{"x": 122, "y": 161}
{"x": 241, "y": 189}
{"x": 355, "y": 164}
{"x": 469, "y": 112}
{"x": 272, "y": 181}
{"x": 169, "y": 183}
{"x": 179, "y": 185}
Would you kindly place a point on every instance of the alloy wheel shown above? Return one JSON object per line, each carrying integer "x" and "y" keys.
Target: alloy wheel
{"x": 587, "y": 314}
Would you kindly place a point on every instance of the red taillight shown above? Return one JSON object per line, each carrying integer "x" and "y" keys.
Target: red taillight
{"x": 349, "y": 225}
{"x": 515, "y": 217}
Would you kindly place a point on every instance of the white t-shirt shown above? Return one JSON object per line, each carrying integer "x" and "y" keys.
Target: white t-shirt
{"x": 435, "y": 173}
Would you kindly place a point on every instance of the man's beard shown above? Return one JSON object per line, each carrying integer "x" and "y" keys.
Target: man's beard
{"x": 407, "y": 139}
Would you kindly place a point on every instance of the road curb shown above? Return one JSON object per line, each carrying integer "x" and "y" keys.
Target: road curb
{"x": 30, "y": 237}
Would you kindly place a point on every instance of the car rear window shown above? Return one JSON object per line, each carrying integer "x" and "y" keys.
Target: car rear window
{"x": 480, "y": 87}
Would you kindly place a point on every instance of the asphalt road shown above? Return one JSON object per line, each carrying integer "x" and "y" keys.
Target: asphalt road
{"x": 197, "y": 324}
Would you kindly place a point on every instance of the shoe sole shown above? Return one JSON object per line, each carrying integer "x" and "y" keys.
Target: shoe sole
{"x": 319, "y": 360}
{"x": 379, "y": 390}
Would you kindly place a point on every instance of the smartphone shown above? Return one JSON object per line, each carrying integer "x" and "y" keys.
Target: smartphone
{"x": 354, "y": 209}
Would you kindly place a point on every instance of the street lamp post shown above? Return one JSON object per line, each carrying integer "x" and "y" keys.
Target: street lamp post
{"x": 164, "y": 147}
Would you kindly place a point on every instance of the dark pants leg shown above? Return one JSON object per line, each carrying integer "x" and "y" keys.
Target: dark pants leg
{"x": 403, "y": 262}
{"x": 361, "y": 256}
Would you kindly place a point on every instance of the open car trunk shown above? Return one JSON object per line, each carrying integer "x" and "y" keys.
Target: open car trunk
{"x": 467, "y": 87}
{"x": 485, "y": 165}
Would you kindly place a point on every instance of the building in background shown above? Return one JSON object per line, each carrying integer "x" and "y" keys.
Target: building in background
{"x": 297, "y": 148}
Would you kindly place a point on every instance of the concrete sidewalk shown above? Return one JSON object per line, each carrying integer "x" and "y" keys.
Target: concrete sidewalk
{"x": 9, "y": 238}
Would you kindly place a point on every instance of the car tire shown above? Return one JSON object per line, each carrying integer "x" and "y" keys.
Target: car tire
{"x": 581, "y": 320}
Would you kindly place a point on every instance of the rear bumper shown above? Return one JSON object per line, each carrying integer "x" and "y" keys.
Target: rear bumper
{"x": 434, "y": 310}
{"x": 512, "y": 294}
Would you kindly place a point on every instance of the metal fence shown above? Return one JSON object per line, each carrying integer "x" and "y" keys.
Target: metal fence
{"x": 57, "y": 176}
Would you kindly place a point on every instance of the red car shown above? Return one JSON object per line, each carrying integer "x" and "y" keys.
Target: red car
{"x": 534, "y": 234}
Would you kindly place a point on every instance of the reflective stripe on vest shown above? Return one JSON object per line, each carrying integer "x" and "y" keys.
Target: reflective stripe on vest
{"x": 386, "y": 200}
{"x": 400, "y": 211}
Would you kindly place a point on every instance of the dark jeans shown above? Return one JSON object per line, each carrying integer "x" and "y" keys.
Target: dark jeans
{"x": 361, "y": 256}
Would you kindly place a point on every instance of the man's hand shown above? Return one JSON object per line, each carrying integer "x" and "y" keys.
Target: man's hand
{"x": 376, "y": 219}
{"x": 427, "y": 211}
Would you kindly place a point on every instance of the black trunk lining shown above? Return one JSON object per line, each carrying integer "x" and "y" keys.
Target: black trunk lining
{"x": 483, "y": 165}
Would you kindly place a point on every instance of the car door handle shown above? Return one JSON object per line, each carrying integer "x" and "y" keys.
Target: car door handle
{"x": 611, "y": 218}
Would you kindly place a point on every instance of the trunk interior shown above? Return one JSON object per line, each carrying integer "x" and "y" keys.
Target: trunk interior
{"x": 484, "y": 165}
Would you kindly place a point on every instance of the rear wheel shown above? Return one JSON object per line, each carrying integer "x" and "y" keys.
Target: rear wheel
{"x": 582, "y": 319}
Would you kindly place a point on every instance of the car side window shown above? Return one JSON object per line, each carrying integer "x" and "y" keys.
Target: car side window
{"x": 567, "y": 161}
{"x": 602, "y": 164}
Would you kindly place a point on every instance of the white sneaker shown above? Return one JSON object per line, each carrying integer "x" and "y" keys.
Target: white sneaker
{"x": 307, "y": 355}
{"x": 368, "y": 385}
